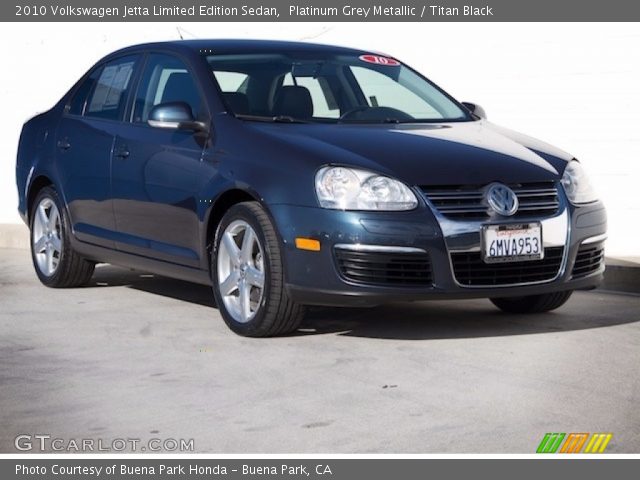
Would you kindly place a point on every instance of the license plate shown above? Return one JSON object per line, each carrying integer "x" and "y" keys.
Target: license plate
{"x": 512, "y": 243}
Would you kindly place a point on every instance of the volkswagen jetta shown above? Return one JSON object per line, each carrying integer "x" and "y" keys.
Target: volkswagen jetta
{"x": 292, "y": 174}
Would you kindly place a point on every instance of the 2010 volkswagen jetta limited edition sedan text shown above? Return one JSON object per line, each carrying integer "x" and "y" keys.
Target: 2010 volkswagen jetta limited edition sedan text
{"x": 292, "y": 174}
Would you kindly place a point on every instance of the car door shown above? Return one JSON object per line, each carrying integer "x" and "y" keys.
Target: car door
{"x": 157, "y": 172}
{"x": 84, "y": 143}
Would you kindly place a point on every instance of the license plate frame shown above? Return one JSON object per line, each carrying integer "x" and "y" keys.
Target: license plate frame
{"x": 513, "y": 230}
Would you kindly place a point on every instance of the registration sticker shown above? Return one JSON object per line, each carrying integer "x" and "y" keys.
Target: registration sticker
{"x": 378, "y": 60}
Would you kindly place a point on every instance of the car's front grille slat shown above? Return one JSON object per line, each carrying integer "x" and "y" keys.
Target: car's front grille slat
{"x": 535, "y": 192}
{"x": 385, "y": 268}
{"x": 470, "y": 270}
{"x": 536, "y": 205}
{"x": 588, "y": 260}
{"x": 468, "y": 201}
{"x": 473, "y": 196}
{"x": 453, "y": 209}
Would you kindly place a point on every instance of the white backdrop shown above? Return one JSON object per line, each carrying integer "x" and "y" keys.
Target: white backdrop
{"x": 573, "y": 85}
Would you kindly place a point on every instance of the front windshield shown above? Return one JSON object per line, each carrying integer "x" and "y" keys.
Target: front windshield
{"x": 329, "y": 89}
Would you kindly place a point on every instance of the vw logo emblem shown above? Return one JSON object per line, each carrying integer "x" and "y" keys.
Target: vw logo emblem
{"x": 502, "y": 199}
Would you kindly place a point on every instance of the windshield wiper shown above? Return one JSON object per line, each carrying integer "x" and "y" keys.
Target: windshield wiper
{"x": 274, "y": 119}
{"x": 369, "y": 121}
{"x": 432, "y": 120}
{"x": 287, "y": 119}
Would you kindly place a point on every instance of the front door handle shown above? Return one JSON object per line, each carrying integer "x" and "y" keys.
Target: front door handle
{"x": 64, "y": 144}
{"x": 123, "y": 152}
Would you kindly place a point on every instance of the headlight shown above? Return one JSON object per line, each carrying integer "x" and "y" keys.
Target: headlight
{"x": 577, "y": 185}
{"x": 352, "y": 189}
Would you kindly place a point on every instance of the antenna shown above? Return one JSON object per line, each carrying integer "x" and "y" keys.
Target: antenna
{"x": 181, "y": 30}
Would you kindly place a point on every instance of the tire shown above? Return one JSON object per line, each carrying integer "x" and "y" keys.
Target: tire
{"x": 248, "y": 306}
{"x": 533, "y": 303}
{"x": 56, "y": 263}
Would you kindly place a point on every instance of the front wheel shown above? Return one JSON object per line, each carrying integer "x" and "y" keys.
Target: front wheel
{"x": 248, "y": 277}
{"x": 533, "y": 303}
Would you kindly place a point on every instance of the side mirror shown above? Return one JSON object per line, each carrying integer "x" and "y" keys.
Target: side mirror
{"x": 475, "y": 109}
{"x": 174, "y": 116}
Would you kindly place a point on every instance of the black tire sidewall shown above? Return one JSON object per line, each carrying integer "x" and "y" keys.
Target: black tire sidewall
{"x": 533, "y": 304}
{"x": 255, "y": 325}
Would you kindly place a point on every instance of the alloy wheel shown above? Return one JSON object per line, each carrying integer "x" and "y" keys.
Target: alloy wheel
{"x": 46, "y": 236}
{"x": 240, "y": 265}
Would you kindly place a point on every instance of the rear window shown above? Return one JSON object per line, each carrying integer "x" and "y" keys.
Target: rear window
{"x": 111, "y": 88}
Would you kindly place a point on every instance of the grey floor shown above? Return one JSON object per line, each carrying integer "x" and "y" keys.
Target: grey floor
{"x": 138, "y": 356}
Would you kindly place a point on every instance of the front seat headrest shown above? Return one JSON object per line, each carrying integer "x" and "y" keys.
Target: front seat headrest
{"x": 293, "y": 101}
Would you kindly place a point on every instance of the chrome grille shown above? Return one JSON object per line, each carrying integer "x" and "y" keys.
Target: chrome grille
{"x": 469, "y": 202}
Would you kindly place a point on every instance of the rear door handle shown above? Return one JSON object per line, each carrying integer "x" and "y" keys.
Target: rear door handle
{"x": 64, "y": 144}
{"x": 123, "y": 152}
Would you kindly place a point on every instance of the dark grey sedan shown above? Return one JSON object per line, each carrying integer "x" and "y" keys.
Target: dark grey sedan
{"x": 292, "y": 174}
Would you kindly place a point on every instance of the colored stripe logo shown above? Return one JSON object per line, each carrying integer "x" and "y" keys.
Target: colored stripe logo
{"x": 574, "y": 442}
{"x": 598, "y": 442}
{"x": 550, "y": 443}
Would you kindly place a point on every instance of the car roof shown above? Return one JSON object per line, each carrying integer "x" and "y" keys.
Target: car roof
{"x": 237, "y": 46}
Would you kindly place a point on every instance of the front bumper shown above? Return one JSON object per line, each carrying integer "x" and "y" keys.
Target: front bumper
{"x": 313, "y": 278}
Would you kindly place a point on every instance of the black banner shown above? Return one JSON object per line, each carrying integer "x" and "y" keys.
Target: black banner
{"x": 318, "y": 469}
{"x": 320, "y": 11}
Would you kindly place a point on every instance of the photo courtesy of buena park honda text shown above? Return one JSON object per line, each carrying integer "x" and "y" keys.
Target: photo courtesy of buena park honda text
{"x": 331, "y": 239}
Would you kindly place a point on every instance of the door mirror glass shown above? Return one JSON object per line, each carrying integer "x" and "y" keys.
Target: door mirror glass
{"x": 175, "y": 116}
{"x": 476, "y": 109}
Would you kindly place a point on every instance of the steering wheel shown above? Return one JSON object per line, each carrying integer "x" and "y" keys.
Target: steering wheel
{"x": 349, "y": 113}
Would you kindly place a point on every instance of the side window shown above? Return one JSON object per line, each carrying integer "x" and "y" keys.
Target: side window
{"x": 324, "y": 104}
{"x": 109, "y": 94}
{"x": 166, "y": 79}
{"x": 382, "y": 91}
{"x": 79, "y": 99}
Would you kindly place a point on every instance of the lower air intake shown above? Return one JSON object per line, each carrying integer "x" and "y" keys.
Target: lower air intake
{"x": 385, "y": 268}
{"x": 470, "y": 270}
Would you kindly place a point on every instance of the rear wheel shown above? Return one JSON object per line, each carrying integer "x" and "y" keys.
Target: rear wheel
{"x": 56, "y": 263}
{"x": 533, "y": 303}
{"x": 248, "y": 277}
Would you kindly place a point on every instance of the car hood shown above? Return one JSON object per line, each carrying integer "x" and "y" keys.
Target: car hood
{"x": 476, "y": 152}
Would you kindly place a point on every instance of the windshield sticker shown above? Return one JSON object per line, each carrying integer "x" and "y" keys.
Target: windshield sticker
{"x": 378, "y": 60}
